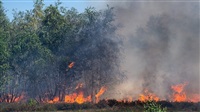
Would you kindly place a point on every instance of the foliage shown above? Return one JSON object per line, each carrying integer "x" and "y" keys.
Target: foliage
{"x": 152, "y": 106}
{"x": 32, "y": 102}
{"x": 4, "y": 51}
{"x": 37, "y": 46}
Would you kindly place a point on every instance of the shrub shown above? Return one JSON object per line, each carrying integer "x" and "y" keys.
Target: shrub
{"x": 152, "y": 106}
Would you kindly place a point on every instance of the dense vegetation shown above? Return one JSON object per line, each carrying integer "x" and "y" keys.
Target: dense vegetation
{"x": 37, "y": 47}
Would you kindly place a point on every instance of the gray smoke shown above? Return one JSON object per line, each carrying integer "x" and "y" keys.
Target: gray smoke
{"x": 161, "y": 46}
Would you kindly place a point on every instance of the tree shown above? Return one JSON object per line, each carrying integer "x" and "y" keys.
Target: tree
{"x": 4, "y": 52}
{"x": 97, "y": 58}
{"x": 28, "y": 59}
{"x": 44, "y": 42}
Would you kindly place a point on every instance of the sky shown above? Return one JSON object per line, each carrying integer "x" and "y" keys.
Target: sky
{"x": 23, "y": 5}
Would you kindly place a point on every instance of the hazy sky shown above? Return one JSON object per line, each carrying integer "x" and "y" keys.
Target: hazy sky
{"x": 23, "y": 5}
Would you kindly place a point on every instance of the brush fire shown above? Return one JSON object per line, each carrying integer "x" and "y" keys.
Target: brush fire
{"x": 178, "y": 95}
{"x": 79, "y": 97}
{"x": 126, "y": 54}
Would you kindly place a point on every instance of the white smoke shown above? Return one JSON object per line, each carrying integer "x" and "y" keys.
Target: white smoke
{"x": 161, "y": 46}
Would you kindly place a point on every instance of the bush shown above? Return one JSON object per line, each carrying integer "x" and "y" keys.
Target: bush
{"x": 152, "y": 106}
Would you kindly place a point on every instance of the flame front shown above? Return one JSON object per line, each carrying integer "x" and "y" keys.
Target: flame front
{"x": 148, "y": 96}
{"x": 72, "y": 98}
{"x": 79, "y": 96}
{"x": 178, "y": 92}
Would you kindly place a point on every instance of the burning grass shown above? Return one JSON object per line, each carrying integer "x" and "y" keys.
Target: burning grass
{"x": 77, "y": 101}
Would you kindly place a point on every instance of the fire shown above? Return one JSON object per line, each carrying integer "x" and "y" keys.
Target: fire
{"x": 130, "y": 99}
{"x": 11, "y": 98}
{"x": 145, "y": 96}
{"x": 78, "y": 97}
{"x": 148, "y": 96}
{"x": 127, "y": 99}
{"x": 71, "y": 65}
{"x": 179, "y": 88}
{"x": 70, "y": 98}
{"x": 178, "y": 92}
{"x": 19, "y": 98}
{"x": 56, "y": 99}
{"x": 179, "y": 97}
{"x": 195, "y": 98}
{"x": 102, "y": 90}
{"x": 79, "y": 86}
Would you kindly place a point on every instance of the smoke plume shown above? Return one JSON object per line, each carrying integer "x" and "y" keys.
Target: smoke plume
{"x": 161, "y": 46}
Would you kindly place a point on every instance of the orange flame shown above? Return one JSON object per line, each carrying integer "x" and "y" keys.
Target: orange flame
{"x": 179, "y": 88}
{"x": 11, "y": 98}
{"x": 127, "y": 99}
{"x": 71, "y": 65}
{"x": 19, "y": 98}
{"x": 148, "y": 96}
{"x": 70, "y": 98}
{"x": 101, "y": 91}
{"x": 79, "y": 97}
{"x": 56, "y": 99}
{"x": 179, "y": 95}
{"x": 195, "y": 98}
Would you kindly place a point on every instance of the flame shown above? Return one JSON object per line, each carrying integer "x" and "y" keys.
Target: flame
{"x": 179, "y": 88}
{"x": 71, "y": 64}
{"x": 101, "y": 91}
{"x": 79, "y": 86}
{"x": 11, "y": 98}
{"x": 179, "y": 97}
{"x": 72, "y": 98}
{"x": 178, "y": 93}
{"x": 130, "y": 99}
{"x": 19, "y": 98}
{"x": 148, "y": 96}
{"x": 195, "y": 98}
{"x": 127, "y": 99}
{"x": 78, "y": 97}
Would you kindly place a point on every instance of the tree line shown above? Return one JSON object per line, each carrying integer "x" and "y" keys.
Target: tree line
{"x": 38, "y": 47}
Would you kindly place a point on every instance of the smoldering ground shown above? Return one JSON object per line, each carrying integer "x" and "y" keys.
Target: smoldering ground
{"x": 161, "y": 46}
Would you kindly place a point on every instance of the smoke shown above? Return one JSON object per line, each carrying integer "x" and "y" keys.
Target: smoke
{"x": 161, "y": 46}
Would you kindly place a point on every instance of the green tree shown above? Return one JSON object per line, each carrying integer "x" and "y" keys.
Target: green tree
{"x": 39, "y": 44}
{"x": 4, "y": 51}
{"x": 28, "y": 59}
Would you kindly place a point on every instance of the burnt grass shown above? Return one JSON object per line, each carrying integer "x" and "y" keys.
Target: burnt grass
{"x": 103, "y": 105}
